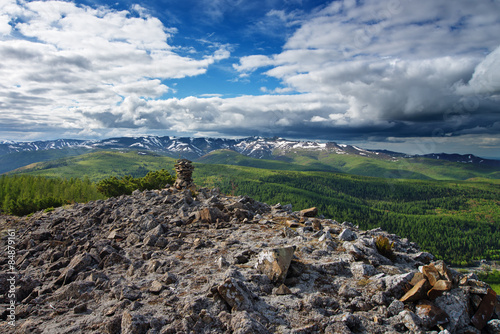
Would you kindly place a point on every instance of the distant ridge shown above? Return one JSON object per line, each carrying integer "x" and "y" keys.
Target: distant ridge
{"x": 255, "y": 147}
{"x": 18, "y": 154}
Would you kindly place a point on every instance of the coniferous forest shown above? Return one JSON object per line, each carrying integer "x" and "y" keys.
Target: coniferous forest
{"x": 457, "y": 221}
{"x": 24, "y": 194}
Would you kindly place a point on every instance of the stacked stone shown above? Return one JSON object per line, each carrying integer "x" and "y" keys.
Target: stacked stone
{"x": 184, "y": 170}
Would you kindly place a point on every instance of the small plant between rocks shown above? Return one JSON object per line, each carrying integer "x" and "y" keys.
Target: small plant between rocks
{"x": 385, "y": 247}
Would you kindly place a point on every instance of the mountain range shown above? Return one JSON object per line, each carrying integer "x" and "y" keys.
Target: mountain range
{"x": 194, "y": 148}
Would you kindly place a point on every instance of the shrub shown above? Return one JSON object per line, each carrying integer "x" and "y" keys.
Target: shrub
{"x": 384, "y": 247}
{"x": 113, "y": 186}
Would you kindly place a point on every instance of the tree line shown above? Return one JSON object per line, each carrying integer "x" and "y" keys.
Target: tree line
{"x": 441, "y": 217}
{"x": 24, "y": 194}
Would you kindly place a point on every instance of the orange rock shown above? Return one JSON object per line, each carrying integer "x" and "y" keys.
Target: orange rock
{"x": 485, "y": 310}
{"x": 443, "y": 270}
{"x": 417, "y": 278}
{"x": 432, "y": 274}
{"x": 438, "y": 289}
{"x": 419, "y": 291}
{"x": 311, "y": 212}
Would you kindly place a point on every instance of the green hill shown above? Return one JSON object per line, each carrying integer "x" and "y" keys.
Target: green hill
{"x": 456, "y": 220}
{"x": 400, "y": 168}
{"x": 230, "y": 157}
{"x": 11, "y": 161}
{"x": 101, "y": 164}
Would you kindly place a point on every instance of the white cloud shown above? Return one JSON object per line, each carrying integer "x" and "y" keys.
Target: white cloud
{"x": 390, "y": 62}
{"x": 486, "y": 77}
{"x": 61, "y": 57}
{"x": 351, "y": 69}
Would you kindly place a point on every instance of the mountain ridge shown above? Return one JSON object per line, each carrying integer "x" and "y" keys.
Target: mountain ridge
{"x": 255, "y": 147}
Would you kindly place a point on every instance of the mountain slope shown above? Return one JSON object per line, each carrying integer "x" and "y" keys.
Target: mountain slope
{"x": 163, "y": 261}
{"x": 101, "y": 164}
{"x": 388, "y": 167}
{"x": 254, "y": 147}
{"x": 449, "y": 218}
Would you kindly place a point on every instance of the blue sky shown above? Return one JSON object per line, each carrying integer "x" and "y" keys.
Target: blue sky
{"x": 411, "y": 76}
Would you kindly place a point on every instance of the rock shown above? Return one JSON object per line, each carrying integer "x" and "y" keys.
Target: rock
{"x": 150, "y": 240}
{"x": 311, "y": 212}
{"x": 275, "y": 263}
{"x": 493, "y": 326}
{"x": 443, "y": 270}
{"x": 325, "y": 237}
{"x": 475, "y": 301}
{"x": 423, "y": 257}
{"x": 41, "y": 235}
{"x": 164, "y": 270}
{"x": 72, "y": 290}
{"x": 184, "y": 170}
{"x": 419, "y": 291}
{"x": 316, "y": 224}
{"x": 210, "y": 215}
{"x": 411, "y": 321}
{"x": 169, "y": 278}
{"x": 497, "y": 309}
{"x": 235, "y": 294}
{"x": 438, "y": 289}
{"x": 77, "y": 264}
{"x": 130, "y": 292}
{"x": 395, "y": 307}
{"x": 133, "y": 323}
{"x": 282, "y": 290}
{"x": 348, "y": 291}
{"x": 347, "y": 235}
{"x": 113, "y": 326}
{"x": 395, "y": 284}
{"x": 360, "y": 270}
{"x": 156, "y": 287}
{"x": 432, "y": 274}
{"x": 82, "y": 308}
{"x": 431, "y": 315}
{"x": 133, "y": 239}
{"x": 114, "y": 259}
{"x": 485, "y": 310}
{"x": 456, "y": 304}
{"x": 289, "y": 233}
{"x": 245, "y": 323}
{"x": 417, "y": 278}
{"x": 115, "y": 234}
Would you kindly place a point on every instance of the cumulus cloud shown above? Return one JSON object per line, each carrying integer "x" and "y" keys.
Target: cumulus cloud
{"x": 349, "y": 70}
{"x": 393, "y": 65}
{"x": 59, "y": 58}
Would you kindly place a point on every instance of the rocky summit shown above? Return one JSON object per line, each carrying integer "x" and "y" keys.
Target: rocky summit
{"x": 184, "y": 261}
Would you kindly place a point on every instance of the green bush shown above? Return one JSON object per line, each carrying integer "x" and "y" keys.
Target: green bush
{"x": 113, "y": 186}
{"x": 384, "y": 247}
{"x": 24, "y": 194}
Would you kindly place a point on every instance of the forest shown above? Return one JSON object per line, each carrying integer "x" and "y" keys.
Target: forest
{"x": 25, "y": 194}
{"x": 457, "y": 221}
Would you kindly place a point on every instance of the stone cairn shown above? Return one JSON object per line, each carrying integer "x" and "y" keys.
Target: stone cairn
{"x": 184, "y": 170}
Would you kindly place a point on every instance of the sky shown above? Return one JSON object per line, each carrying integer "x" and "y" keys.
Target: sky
{"x": 404, "y": 75}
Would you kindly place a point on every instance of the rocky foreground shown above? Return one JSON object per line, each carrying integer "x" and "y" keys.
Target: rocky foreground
{"x": 177, "y": 261}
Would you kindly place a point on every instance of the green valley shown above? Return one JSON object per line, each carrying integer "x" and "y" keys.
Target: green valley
{"x": 455, "y": 220}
